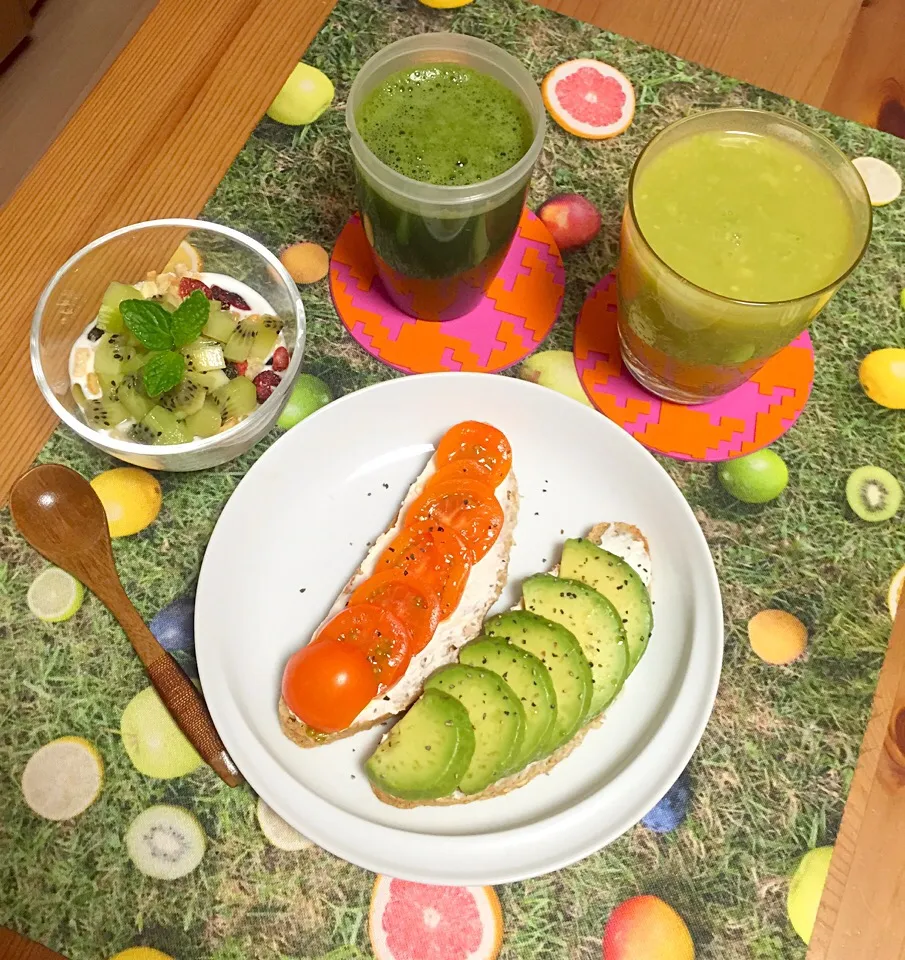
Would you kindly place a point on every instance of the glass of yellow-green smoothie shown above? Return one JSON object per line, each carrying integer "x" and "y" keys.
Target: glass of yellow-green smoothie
{"x": 740, "y": 225}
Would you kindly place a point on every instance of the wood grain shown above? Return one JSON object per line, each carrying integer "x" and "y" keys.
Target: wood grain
{"x": 869, "y": 82}
{"x": 789, "y": 46}
{"x": 127, "y": 156}
{"x": 15, "y": 947}
{"x": 861, "y": 911}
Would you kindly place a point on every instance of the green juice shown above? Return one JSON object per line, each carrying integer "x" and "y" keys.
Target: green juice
{"x": 451, "y": 126}
{"x": 764, "y": 231}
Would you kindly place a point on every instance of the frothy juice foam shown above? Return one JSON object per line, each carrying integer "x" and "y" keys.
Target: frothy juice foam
{"x": 445, "y": 124}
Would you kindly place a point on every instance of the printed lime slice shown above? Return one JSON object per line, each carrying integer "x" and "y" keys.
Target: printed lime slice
{"x": 278, "y": 832}
{"x": 882, "y": 181}
{"x": 55, "y": 595}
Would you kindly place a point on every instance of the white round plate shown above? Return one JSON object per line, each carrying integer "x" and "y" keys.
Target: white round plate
{"x": 297, "y": 527}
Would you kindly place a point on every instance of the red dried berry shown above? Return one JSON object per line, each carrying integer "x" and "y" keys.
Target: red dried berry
{"x": 241, "y": 368}
{"x": 265, "y": 383}
{"x": 228, "y": 298}
{"x": 188, "y": 284}
{"x": 280, "y": 358}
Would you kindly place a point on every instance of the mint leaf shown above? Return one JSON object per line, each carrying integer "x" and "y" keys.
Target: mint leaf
{"x": 163, "y": 372}
{"x": 148, "y": 322}
{"x": 188, "y": 319}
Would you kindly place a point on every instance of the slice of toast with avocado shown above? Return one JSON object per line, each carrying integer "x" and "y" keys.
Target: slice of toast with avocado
{"x": 524, "y": 694}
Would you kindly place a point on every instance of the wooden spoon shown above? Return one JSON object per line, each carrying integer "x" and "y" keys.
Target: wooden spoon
{"x": 60, "y": 515}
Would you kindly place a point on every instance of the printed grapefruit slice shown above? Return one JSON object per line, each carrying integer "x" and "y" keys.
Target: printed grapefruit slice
{"x": 589, "y": 98}
{"x": 418, "y": 921}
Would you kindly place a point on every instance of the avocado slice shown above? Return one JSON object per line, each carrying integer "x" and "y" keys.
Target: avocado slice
{"x": 619, "y": 583}
{"x": 530, "y": 682}
{"x": 594, "y": 623}
{"x": 496, "y": 716}
{"x": 564, "y": 659}
{"x": 428, "y": 751}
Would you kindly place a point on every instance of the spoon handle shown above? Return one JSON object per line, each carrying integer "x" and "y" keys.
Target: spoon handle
{"x": 176, "y": 690}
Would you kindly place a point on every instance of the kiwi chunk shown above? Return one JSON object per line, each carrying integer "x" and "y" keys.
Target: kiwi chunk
{"x": 109, "y": 317}
{"x": 204, "y": 354}
{"x": 117, "y": 356}
{"x": 164, "y": 427}
{"x": 211, "y": 380}
{"x": 134, "y": 398}
{"x": 102, "y": 414}
{"x": 206, "y": 421}
{"x": 184, "y": 399}
{"x": 873, "y": 493}
{"x": 264, "y": 343}
{"x": 237, "y": 399}
{"x": 239, "y": 345}
{"x": 221, "y": 324}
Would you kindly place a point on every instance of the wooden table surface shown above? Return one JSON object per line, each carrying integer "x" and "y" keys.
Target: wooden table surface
{"x": 128, "y": 156}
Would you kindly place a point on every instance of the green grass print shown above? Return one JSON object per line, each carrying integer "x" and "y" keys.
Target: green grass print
{"x": 774, "y": 767}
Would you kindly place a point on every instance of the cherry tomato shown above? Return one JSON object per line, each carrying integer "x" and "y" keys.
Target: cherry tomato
{"x": 460, "y": 468}
{"x": 327, "y": 685}
{"x": 472, "y": 440}
{"x": 414, "y": 605}
{"x": 468, "y": 507}
{"x": 434, "y": 557}
{"x": 377, "y": 634}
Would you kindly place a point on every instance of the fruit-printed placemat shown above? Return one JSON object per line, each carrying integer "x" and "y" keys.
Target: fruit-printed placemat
{"x": 769, "y": 780}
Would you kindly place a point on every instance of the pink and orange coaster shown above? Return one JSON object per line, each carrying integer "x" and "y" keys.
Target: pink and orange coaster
{"x": 747, "y": 419}
{"x": 510, "y": 323}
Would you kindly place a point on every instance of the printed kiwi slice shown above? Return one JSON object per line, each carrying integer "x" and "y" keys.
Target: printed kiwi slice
{"x": 184, "y": 399}
{"x": 165, "y": 842}
{"x": 873, "y": 493}
{"x": 206, "y": 421}
{"x": 134, "y": 398}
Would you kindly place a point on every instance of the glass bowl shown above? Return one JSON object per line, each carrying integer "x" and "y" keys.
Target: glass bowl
{"x": 71, "y": 299}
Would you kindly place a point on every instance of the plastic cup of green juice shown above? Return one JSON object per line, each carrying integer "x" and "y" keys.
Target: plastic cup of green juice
{"x": 445, "y": 130}
{"x": 739, "y": 227}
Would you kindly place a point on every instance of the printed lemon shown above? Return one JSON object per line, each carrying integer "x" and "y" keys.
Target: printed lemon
{"x": 187, "y": 257}
{"x": 131, "y": 499}
{"x": 141, "y": 953}
{"x": 777, "y": 637}
{"x": 305, "y": 95}
{"x": 894, "y": 595}
{"x": 806, "y": 890}
{"x": 445, "y": 4}
{"x": 63, "y": 778}
{"x": 55, "y": 595}
{"x": 882, "y": 375}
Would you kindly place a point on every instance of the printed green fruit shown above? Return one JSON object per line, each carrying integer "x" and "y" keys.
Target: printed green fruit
{"x": 310, "y": 393}
{"x": 757, "y": 478}
{"x": 305, "y": 95}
